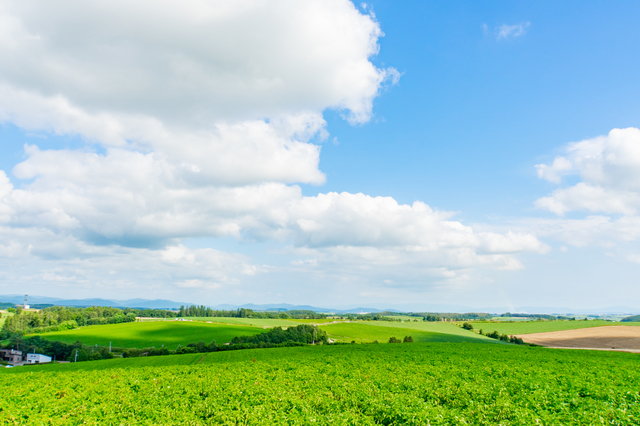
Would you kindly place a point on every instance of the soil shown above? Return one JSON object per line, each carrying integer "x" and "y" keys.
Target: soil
{"x": 616, "y": 338}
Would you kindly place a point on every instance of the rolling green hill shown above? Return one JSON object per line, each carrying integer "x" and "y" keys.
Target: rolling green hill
{"x": 257, "y": 322}
{"x": 369, "y": 331}
{"x": 530, "y": 327}
{"x": 434, "y": 327}
{"x": 401, "y": 384}
{"x": 148, "y": 334}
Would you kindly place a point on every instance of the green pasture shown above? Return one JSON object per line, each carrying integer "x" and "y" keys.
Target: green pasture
{"x": 315, "y": 321}
{"x": 368, "y": 332}
{"x": 400, "y": 384}
{"x": 510, "y": 319}
{"x": 257, "y": 322}
{"x": 405, "y": 318}
{"x": 4, "y": 314}
{"x": 530, "y": 327}
{"x": 153, "y": 334}
{"x": 433, "y": 327}
{"x": 262, "y": 322}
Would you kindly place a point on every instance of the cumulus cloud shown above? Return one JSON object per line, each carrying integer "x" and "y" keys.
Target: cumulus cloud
{"x": 234, "y": 91}
{"x": 505, "y": 31}
{"x": 609, "y": 170}
{"x": 208, "y": 114}
{"x": 190, "y": 62}
{"x": 133, "y": 199}
{"x": 608, "y": 192}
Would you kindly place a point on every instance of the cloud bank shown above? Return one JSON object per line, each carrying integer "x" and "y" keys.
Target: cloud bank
{"x": 607, "y": 170}
{"x": 200, "y": 119}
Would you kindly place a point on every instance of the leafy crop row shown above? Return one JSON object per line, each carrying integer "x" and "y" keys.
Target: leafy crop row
{"x": 418, "y": 384}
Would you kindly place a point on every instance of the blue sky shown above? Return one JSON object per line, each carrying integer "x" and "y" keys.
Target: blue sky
{"x": 388, "y": 154}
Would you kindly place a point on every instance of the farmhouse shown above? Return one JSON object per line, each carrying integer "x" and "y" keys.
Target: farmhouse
{"x": 11, "y": 355}
{"x": 37, "y": 359}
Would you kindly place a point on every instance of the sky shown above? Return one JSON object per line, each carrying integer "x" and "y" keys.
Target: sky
{"x": 386, "y": 154}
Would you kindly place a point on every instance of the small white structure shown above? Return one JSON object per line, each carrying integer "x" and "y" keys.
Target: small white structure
{"x": 37, "y": 359}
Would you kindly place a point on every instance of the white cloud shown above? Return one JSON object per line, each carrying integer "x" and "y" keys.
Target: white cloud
{"x": 609, "y": 169}
{"x": 190, "y": 62}
{"x": 134, "y": 199}
{"x": 207, "y": 113}
{"x": 608, "y": 191}
{"x": 505, "y": 31}
{"x": 232, "y": 91}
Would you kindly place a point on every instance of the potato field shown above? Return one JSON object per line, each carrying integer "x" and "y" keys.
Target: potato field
{"x": 360, "y": 384}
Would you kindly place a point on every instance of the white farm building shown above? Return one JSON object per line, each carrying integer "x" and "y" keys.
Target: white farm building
{"x": 37, "y": 359}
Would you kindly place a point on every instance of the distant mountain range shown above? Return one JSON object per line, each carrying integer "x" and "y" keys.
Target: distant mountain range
{"x": 169, "y": 304}
{"x": 131, "y": 303}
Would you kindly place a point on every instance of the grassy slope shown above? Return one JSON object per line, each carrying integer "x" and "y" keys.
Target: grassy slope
{"x": 543, "y": 326}
{"x": 257, "y": 322}
{"x": 434, "y": 327}
{"x": 4, "y": 317}
{"x": 382, "y": 331}
{"x": 432, "y": 383}
{"x": 148, "y": 334}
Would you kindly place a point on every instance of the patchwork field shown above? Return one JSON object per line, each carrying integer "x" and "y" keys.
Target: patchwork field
{"x": 400, "y": 384}
{"x": 612, "y": 337}
{"x": 529, "y": 327}
{"x": 148, "y": 334}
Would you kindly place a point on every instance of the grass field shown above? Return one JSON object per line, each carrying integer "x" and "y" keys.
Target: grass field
{"x": 542, "y": 326}
{"x": 413, "y": 384}
{"x": 366, "y": 332}
{"x": 257, "y": 322}
{"x": 434, "y": 327}
{"x": 148, "y": 334}
{"x": 510, "y": 319}
{"x": 5, "y": 314}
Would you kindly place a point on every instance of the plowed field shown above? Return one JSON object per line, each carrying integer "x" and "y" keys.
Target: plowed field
{"x": 608, "y": 338}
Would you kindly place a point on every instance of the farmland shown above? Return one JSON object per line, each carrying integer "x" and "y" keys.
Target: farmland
{"x": 413, "y": 383}
{"x": 381, "y": 331}
{"x": 148, "y": 334}
{"x": 434, "y": 327}
{"x": 256, "y": 322}
{"x": 608, "y": 338}
{"x": 529, "y": 327}
{"x": 172, "y": 333}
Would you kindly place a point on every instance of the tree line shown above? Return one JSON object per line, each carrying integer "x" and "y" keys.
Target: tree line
{"x": 58, "y": 318}
{"x": 204, "y": 311}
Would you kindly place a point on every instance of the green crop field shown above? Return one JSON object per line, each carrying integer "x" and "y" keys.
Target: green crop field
{"x": 530, "y": 327}
{"x": 316, "y": 321}
{"x": 257, "y": 322}
{"x": 401, "y": 384}
{"x": 148, "y": 334}
{"x": 510, "y": 319}
{"x": 434, "y": 327}
{"x": 381, "y": 331}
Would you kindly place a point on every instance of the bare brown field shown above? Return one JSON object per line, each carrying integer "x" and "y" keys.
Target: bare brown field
{"x": 617, "y": 338}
